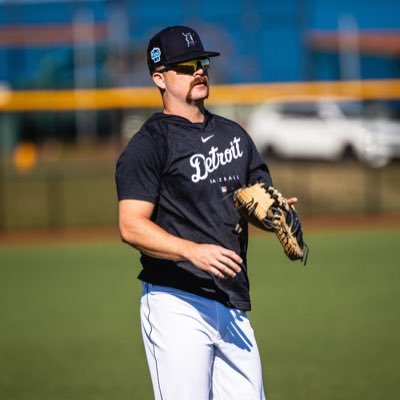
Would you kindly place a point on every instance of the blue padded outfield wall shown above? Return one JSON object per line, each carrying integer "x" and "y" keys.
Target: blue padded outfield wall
{"x": 261, "y": 40}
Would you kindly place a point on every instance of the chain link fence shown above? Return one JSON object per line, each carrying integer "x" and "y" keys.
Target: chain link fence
{"x": 60, "y": 196}
{"x": 82, "y": 194}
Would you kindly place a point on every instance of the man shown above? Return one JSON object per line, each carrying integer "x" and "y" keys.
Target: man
{"x": 173, "y": 180}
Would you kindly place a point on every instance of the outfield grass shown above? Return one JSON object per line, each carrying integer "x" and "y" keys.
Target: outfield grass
{"x": 69, "y": 320}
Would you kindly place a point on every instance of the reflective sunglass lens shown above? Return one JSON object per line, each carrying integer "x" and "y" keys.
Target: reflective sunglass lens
{"x": 190, "y": 67}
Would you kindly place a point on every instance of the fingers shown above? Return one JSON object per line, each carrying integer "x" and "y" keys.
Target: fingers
{"x": 231, "y": 259}
{"x": 217, "y": 273}
{"x": 222, "y": 271}
{"x": 217, "y": 260}
{"x": 225, "y": 266}
{"x": 292, "y": 201}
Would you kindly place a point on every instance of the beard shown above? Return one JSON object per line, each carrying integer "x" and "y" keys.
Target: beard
{"x": 200, "y": 80}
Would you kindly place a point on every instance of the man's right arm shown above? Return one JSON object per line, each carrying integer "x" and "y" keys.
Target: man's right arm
{"x": 138, "y": 230}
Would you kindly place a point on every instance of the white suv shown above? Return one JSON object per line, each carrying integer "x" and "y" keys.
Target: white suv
{"x": 321, "y": 130}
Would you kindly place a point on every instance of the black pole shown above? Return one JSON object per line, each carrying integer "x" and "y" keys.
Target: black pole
{"x": 55, "y": 200}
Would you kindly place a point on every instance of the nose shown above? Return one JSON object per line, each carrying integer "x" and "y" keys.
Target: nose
{"x": 199, "y": 68}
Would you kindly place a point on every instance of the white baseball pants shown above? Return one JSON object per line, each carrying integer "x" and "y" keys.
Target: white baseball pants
{"x": 198, "y": 349}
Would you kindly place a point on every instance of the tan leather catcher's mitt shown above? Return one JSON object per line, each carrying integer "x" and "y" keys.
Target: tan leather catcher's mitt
{"x": 266, "y": 208}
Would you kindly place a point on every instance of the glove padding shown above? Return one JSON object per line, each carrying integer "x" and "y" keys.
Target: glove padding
{"x": 266, "y": 208}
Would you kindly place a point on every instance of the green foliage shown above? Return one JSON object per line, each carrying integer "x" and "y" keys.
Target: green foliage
{"x": 70, "y": 323}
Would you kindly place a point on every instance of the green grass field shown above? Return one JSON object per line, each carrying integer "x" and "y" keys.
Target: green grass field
{"x": 69, "y": 322}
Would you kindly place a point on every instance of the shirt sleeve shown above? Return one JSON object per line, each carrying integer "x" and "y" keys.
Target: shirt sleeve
{"x": 139, "y": 169}
{"x": 258, "y": 170}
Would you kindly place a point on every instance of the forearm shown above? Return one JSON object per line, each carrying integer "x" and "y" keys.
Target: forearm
{"x": 152, "y": 240}
{"x": 138, "y": 230}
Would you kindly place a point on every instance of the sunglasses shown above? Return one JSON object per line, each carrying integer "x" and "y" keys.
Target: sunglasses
{"x": 189, "y": 67}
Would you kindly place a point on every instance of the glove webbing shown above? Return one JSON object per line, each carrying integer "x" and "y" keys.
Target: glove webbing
{"x": 284, "y": 234}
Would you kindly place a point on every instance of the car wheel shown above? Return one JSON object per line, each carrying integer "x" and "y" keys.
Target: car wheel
{"x": 269, "y": 153}
{"x": 348, "y": 153}
{"x": 377, "y": 161}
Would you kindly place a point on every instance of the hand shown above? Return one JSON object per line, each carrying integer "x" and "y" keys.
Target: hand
{"x": 292, "y": 201}
{"x": 217, "y": 260}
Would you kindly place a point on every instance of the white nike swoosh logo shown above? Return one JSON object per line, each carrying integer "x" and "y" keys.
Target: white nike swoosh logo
{"x": 204, "y": 140}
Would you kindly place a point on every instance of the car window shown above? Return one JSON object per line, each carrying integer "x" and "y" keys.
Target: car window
{"x": 298, "y": 110}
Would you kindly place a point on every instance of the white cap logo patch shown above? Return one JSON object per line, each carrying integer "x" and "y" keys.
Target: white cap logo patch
{"x": 155, "y": 55}
{"x": 189, "y": 39}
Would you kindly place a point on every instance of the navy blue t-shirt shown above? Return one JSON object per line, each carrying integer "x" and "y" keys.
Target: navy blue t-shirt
{"x": 188, "y": 171}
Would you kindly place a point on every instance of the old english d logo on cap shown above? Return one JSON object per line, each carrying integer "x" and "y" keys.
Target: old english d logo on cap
{"x": 189, "y": 39}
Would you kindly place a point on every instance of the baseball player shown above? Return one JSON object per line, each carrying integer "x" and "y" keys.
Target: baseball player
{"x": 173, "y": 182}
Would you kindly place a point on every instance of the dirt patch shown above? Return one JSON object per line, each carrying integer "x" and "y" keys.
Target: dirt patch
{"x": 102, "y": 234}
{"x": 56, "y": 236}
{"x": 347, "y": 222}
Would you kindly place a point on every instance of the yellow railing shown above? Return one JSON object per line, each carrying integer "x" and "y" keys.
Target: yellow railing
{"x": 145, "y": 97}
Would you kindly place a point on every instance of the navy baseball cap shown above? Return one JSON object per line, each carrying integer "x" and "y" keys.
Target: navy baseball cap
{"x": 175, "y": 44}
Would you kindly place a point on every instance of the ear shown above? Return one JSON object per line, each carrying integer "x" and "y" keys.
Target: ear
{"x": 158, "y": 79}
